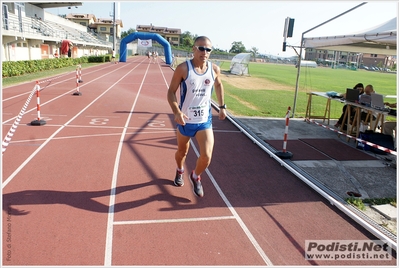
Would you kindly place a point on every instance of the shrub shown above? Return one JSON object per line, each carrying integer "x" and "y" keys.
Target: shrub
{"x": 96, "y": 58}
{"x": 357, "y": 202}
{"x": 16, "y": 68}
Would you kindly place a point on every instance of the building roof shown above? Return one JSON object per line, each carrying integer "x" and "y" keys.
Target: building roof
{"x": 156, "y": 29}
{"x": 108, "y": 21}
{"x": 80, "y": 16}
{"x": 55, "y": 4}
{"x": 97, "y": 21}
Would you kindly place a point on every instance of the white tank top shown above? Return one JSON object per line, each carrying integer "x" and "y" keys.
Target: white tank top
{"x": 195, "y": 94}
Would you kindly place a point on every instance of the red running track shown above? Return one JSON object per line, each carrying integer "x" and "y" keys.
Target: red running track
{"x": 94, "y": 185}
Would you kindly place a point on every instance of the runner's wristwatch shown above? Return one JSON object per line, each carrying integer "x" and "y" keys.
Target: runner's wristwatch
{"x": 223, "y": 106}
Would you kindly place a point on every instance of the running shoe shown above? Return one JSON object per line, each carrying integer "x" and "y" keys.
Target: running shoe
{"x": 179, "y": 181}
{"x": 197, "y": 186}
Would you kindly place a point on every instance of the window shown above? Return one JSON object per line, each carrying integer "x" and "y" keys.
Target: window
{"x": 82, "y": 23}
{"x": 103, "y": 29}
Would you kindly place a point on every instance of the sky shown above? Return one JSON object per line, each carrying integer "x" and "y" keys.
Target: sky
{"x": 257, "y": 24}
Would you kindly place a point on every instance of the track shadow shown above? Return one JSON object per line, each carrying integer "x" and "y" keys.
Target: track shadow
{"x": 83, "y": 199}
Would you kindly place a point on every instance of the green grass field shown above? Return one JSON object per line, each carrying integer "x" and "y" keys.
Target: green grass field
{"x": 269, "y": 102}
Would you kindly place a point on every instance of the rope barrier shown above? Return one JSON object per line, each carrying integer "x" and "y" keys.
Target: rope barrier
{"x": 38, "y": 122}
{"x": 284, "y": 154}
{"x": 53, "y": 78}
{"x": 357, "y": 139}
{"x": 36, "y": 89}
{"x": 14, "y": 126}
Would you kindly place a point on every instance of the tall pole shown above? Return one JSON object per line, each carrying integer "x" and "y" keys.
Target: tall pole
{"x": 300, "y": 53}
{"x": 114, "y": 31}
{"x": 297, "y": 76}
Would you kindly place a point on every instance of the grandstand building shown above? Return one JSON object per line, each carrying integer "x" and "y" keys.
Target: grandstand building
{"x": 31, "y": 33}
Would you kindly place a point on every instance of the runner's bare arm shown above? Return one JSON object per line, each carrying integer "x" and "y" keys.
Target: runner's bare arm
{"x": 179, "y": 74}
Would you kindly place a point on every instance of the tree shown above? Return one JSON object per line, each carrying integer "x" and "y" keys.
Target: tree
{"x": 130, "y": 31}
{"x": 187, "y": 39}
{"x": 254, "y": 51}
{"x": 237, "y": 47}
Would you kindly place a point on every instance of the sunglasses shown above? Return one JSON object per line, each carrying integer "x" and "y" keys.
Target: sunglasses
{"x": 204, "y": 48}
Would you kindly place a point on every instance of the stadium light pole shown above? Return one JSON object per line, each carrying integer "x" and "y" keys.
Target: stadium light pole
{"x": 300, "y": 52}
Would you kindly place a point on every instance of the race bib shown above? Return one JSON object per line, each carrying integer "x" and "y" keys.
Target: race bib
{"x": 198, "y": 113}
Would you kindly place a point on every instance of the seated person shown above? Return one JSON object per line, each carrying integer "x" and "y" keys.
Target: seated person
{"x": 367, "y": 91}
{"x": 390, "y": 126}
{"x": 359, "y": 87}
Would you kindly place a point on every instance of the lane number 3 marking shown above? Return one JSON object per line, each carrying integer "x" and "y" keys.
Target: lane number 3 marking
{"x": 156, "y": 123}
{"x": 99, "y": 121}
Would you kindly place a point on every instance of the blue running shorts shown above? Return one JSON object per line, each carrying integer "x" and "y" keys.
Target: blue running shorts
{"x": 191, "y": 129}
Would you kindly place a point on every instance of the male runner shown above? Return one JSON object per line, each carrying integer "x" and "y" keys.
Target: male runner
{"x": 197, "y": 78}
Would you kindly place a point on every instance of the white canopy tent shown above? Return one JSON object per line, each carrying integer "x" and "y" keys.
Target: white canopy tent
{"x": 380, "y": 39}
{"x": 308, "y": 63}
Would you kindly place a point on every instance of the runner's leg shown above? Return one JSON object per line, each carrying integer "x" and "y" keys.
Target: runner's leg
{"x": 183, "y": 144}
{"x": 205, "y": 141}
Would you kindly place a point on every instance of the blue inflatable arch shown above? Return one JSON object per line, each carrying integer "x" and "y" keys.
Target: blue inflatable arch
{"x": 145, "y": 36}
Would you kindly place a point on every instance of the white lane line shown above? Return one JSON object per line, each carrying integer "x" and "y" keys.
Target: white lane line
{"x": 235, "y": 214}
{"x": 4, "y": 184}
{"x": 160, "y": 131}
{"x": 107, "y": 116}
{"x": 104, "y": 127}
{"x": 174, "y": 220}
{"x": 108, "y": 127}
{"x": 48, "y": 115}
{"x": 68, "y": 92}
{"x": 55, "y": 83}
{"x": 110, "y": 225}
{"x": 152, "y": 118}
{"x": 93, "y": 135}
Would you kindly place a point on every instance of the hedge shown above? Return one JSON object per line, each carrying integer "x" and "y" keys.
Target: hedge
{"x": 16, "y": 68}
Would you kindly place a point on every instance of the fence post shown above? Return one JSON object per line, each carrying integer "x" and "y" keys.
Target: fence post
{"x": 78, "y": 80}
{"x": 284, "y": 154}
{"x": 38, "y": 122}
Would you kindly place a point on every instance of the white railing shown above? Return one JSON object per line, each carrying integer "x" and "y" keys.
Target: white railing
{"x": 34, "y": 26}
